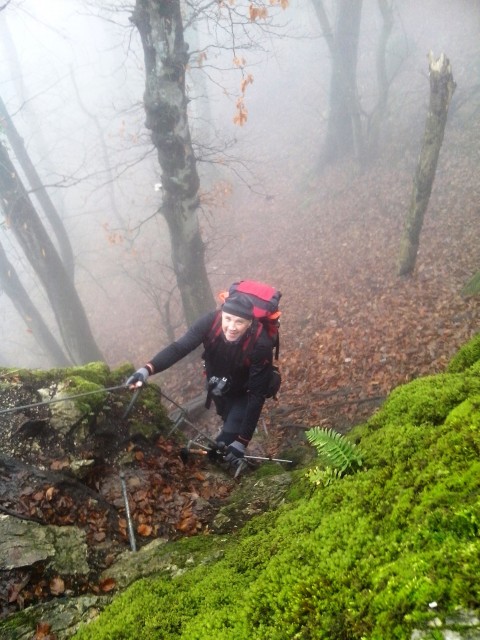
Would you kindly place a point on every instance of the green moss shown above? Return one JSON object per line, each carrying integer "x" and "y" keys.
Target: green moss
{"x": 21, "y": 623}
{"x": 97, "y": 372}
{"x": 300, "y": 487}
{"x": 195, "y": 545}
{"x": 122, "y": 372}
{"x": 468, "y": 412}
{"x": 267, "y": 469}
{"x": 360, "y": 559}
{"x": 76, "y": 385}
{"x": 148, "y": 415}
{"x": 467, "y": 356}
{"x": 426, "y": 400}
{"x": 25, "y": 376}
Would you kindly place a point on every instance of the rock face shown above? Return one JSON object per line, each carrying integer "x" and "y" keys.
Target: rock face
{"x": 465, "y": 625}
{"x": 253, "y": 497}
{"x": 23, "y": 543}
{"x": 58, "y": 618}
{"x": 64, "y": 412}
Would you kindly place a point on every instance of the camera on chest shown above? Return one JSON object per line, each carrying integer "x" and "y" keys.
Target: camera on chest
{"x": 218, "y": 386}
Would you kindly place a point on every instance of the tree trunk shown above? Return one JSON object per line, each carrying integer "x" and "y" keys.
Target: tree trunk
{"x": 11, "y": 284}
{"x": 344, "y": 132}
{"x": 39, "y": 190}
{"x": 27, "y": 227}
{"x": 165, "y": 51}
{"x": 442, "y": 87}
{"x": 380, "y": 111}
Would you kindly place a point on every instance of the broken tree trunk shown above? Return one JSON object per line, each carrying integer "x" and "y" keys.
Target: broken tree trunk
{"x": 442, "y": 87}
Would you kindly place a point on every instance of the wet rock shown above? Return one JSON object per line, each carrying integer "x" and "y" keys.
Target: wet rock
{"x": 255, "y": 496}
{"x": 61, "y": 617}
{"x": 24, "y": 543}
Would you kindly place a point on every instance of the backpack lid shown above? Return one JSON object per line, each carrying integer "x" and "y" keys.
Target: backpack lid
{"x": 264, "y": 297}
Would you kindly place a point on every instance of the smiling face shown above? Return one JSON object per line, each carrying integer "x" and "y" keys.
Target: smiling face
{"x": 234, "y": 327}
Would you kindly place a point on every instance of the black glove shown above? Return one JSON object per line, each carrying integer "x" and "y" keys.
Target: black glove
{"x": 139, "y": 378}
{"x": 220, "y": 444}
{"x": 215, "y": 453}
{"x": 235, "y": 453}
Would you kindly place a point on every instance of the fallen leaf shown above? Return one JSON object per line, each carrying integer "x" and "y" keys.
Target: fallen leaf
{"x": 144, "y": 530}
{"x": 108, "y": 584}
{"x": 42, "y": 631}
{"x": 57, "y": 586}
{"x": 58, "y": 465}
{"x": 99, "y": 536}
{"x": 187, "y": 525}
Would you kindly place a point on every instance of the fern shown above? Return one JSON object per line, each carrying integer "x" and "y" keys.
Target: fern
{"x": 323, "y": 477}
{"x": 337, "y": 455}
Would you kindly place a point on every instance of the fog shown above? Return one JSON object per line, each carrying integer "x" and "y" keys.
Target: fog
{"x": 72, "y": 79}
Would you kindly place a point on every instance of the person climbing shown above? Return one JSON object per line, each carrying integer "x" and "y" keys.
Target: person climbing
{"x": 238, "y": 361}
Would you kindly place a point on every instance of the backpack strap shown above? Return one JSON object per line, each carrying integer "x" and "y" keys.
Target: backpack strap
{"x": 251, "y": 340}
{"x": 215, "y": 330}
{"x": 276, "y": 346}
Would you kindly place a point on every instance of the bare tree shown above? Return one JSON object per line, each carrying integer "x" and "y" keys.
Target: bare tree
{"x": 344, "y": 130}
{"x": 161, "y": 30}
{"x": 350, "y": 128}
{"x": 23, "y": 220}
{"x": 39, "y": 190}
{"x": 13, "y": 287}
{"x": 383, "y": 82}
{"x": 442, "y": 87}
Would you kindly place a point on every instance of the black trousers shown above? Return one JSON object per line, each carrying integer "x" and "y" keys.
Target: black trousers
{"x": 232, "y": 411}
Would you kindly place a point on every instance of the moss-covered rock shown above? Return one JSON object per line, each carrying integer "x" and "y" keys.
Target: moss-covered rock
{"x": 163, "y": 558}
{"x": 467, "y": 356}
{"x": 66, "y": 409}
{"x": 60, "y": 616}
{"x": 426, "y": 400}
{"x": 256, "y": 496}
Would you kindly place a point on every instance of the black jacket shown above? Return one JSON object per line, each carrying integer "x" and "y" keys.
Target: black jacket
{"x": 226, "y": 359}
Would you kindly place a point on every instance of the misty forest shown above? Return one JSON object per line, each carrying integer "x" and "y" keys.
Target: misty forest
{"x": 153, "y": 152}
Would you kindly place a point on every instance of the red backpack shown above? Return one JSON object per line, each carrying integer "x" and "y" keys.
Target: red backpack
{"x": 265, "y": 300}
